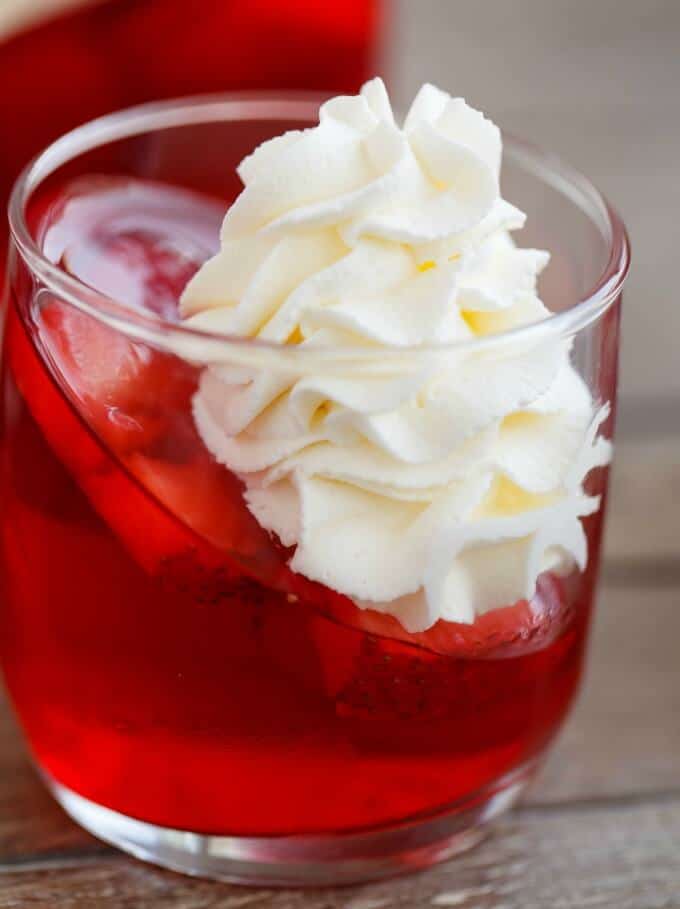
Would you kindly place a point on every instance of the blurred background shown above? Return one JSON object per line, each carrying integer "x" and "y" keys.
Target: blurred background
{"x": 596, "y": 81}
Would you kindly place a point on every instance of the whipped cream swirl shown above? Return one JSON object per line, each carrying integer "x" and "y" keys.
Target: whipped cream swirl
{"x": 437, "y": 491}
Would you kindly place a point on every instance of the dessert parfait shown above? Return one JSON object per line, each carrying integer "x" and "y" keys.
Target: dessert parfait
{"x": 302, "y": 503}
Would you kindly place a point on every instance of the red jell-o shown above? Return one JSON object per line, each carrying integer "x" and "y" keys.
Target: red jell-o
{"x": 149, "y": 616}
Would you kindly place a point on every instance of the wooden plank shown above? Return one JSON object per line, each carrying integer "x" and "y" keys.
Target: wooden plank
{"x": 644, "y": 518}
{"x": 624, "y": 735}
{"x": 622, "y": 858}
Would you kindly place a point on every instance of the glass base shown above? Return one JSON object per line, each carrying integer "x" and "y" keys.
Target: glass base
{"x": 310, "y": 860}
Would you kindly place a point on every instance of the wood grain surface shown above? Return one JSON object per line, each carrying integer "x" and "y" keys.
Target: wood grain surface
{"x": 622, "y": 856}
{"x": 601, "y": 827}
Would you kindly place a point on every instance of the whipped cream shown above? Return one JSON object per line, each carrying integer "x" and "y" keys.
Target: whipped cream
{"x": 439, "y": 490}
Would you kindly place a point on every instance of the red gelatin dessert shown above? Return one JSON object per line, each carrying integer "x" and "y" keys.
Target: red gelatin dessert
{"x": 260, "y": 606}
{"x": 166, "y": 661}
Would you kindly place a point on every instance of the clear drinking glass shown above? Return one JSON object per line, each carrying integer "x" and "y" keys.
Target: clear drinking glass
{"x": 185, "y": 695}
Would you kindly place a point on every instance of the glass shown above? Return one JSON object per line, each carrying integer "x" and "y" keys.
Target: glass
{"x": 185, "y": 695}
{"x": 90, "y": 58}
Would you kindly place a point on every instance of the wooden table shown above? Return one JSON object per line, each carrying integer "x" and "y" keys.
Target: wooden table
{"x": 601, "y": 828}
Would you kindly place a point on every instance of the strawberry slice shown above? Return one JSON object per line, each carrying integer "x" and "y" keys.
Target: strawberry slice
{"x": 63, "y": 430}
{"x": 137, "y": 402}
{"x": 519, "y": 629}
{"x": 113, "y": 382}
{"x": 137, "y": 242}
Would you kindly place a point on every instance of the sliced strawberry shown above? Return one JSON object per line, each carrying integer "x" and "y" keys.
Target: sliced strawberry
{"x": 471, "y": 697}
{"x": 208, "y": 499}
{"x": 171, "y": 497}
{"x": 508, "y": 631}
{"x": 137, "y": 242}
{"x": 63, "y": 430}
{"x": 128, "y": 392}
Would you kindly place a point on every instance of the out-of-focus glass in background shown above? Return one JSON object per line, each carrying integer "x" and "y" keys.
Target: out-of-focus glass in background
{"x": 63, "y": 62}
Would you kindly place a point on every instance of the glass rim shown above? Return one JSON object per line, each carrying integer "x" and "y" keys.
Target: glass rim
{"x": 301, "y": 106}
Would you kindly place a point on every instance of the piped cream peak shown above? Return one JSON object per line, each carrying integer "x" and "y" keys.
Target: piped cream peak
{"x": 439, "y": 492}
